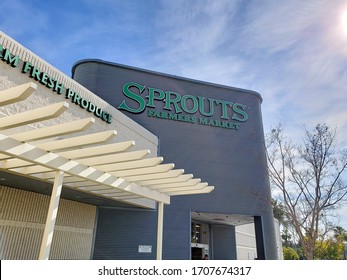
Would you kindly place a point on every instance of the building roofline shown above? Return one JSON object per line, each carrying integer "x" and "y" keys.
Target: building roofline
{"x": 100, "y": 61}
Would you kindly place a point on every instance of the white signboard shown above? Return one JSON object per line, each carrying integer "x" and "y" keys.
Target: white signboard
{"x": 145, "y": 248}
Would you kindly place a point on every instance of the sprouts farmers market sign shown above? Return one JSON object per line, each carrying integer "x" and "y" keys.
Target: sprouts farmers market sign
{"x": 183, "y": 108}
{"x": 54, "y": 85}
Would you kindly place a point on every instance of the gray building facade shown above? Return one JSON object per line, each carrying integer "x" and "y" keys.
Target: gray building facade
{"x": 210, "y": 130}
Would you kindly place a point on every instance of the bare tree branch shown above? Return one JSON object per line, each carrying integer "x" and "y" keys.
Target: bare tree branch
{"x": 309, "y": 178}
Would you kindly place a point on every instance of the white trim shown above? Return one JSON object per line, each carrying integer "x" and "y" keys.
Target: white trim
{"x": 51, "y": 216}
{"x": 160, "y": 230}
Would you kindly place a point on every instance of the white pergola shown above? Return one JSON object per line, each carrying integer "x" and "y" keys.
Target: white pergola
{"x": 86, "y": 163}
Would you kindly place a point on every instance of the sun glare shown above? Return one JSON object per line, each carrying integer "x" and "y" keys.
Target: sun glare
{"x": 344, "y": 22}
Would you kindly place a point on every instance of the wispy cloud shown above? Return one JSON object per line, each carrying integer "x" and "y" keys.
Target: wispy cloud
{"x": 294, "y": 53}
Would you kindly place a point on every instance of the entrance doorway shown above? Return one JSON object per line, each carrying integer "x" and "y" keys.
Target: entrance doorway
{"x": 198, "y": 253}
{"x": 199, "y": 240}
{"x": 222, "y": 236}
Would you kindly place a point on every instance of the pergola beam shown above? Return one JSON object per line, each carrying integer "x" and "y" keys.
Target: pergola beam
{"x": 189, "y": 183}
{"x": 55, "y": 130}
{"x": 53, "y": 161}
{"x": 73, "y": 142}
{"x": 148, "y": 162}
{"x": 169, "y": 174}
{"x": 98, "y": 150}
{"x": 108, "y": 159}
{"x": 18, "y": 93}
{"x": 194, "y": 191}
{"x": 198, "y": 186}
{"x": 14, "y": 163}
{"x": 32, "y": 116}
{"x": 161, "y": 181}
{"x": 143, "y": 171}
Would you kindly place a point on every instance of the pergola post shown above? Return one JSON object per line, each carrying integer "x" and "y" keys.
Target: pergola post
{"x": 51, "y": 216}
{"x": 160, "y": 230}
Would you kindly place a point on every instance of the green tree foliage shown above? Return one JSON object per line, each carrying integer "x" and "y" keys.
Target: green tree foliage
{"x": 279, "y": 212}
{"x": 286, "y": 236}
{"x": 329, "y": 250}
{"x": 340, "y": 234}
{"x": 289, "y": 253}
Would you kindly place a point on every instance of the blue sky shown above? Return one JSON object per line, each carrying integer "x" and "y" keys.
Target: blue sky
{"x": 293, "y": 52}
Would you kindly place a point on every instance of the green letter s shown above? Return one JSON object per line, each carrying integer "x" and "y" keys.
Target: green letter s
{"x": 127, "y": 92}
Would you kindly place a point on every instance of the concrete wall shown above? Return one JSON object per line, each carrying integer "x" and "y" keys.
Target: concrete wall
{"x": 9, "y": 77}
{"x": 245, "y": 239}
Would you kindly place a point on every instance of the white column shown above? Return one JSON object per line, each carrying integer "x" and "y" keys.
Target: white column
{"x": 51, "y": 216}
{"x": 160, "y": 230}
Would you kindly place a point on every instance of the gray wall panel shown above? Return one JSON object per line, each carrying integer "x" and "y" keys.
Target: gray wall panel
{"x": 120, "y": 232}
{"x": 176, "y": 242}
{"x": 224, "y": 242}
